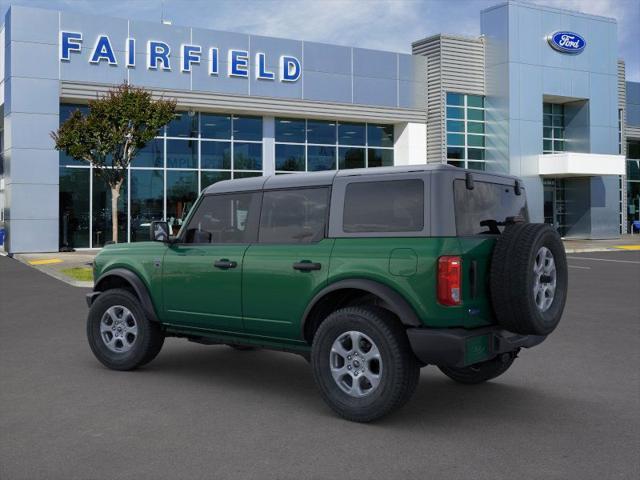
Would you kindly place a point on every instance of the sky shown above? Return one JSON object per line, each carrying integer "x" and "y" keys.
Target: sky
{"x": 378, "y": 24}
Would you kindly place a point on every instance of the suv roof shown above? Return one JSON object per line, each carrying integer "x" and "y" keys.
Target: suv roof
{"x": 312, "y": 179}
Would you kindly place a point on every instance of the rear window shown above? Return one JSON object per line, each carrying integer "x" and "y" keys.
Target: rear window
{"x": 485, "y": 209}
{"x": 384, "y": 206}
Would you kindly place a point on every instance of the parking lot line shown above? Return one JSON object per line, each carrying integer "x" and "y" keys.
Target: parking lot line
{"x": 628, "y": 247}
{"x": 582, "y": 268}
{"x": 47, "y": 261}
{"x": 603, "y": 260}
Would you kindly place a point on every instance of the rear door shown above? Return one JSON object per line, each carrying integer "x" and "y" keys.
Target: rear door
{"x": 481, "y": 213}
{"x": 289, "y": 263}
{"x": 202, "y": 274}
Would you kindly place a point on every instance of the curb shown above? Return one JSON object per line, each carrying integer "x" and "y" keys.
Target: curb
{"x": 54, "y": 274}
{"x": 591, "y": 250}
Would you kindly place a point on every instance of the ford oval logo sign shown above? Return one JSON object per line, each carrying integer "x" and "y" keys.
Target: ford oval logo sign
{"x": 567, "y": 42}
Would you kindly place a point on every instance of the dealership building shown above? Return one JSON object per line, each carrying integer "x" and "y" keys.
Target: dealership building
{"x": 541, "y": 94}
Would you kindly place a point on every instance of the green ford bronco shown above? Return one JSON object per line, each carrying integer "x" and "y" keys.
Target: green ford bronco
{"x": 369, "y": 274}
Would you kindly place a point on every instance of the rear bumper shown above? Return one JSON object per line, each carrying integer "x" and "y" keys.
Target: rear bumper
{"x": 457, "y": 347}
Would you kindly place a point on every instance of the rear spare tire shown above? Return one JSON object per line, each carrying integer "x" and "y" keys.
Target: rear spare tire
{"x": 528, "y": 278}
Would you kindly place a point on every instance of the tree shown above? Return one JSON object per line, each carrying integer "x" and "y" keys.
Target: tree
{"x": 117, "y": 126}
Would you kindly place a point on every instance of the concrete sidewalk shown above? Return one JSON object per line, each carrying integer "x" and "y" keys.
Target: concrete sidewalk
{"x": 59, "y": 264}
{"x": 626, "y": 242}
{"x": 65, "y": 266}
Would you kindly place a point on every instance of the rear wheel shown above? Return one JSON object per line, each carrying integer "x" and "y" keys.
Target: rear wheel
{"x": 480, "y": 372}
{"x": 120, "y": 334}
{"x": 363, "y": 364}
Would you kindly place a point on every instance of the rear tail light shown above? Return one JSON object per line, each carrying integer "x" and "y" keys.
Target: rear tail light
{"x": 449, "y": 280}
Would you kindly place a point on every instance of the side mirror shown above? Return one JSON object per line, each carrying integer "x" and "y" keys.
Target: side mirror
{"x": 159, "y": 232}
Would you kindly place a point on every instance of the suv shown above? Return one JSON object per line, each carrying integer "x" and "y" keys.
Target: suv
{"x": 369, "y": 274}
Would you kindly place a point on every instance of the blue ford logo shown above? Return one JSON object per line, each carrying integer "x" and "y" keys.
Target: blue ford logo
{"x": 567, "y": 42}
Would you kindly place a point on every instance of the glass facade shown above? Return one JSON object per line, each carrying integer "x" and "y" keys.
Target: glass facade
{"x": 305, "y": 145}
{"x": 552, "y": 128}
{"x": 633, "y": 183}
{"x": 192, "y": 152}
{"x": 465, "y": 130}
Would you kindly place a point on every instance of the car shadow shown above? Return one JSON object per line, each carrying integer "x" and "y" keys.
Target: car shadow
{"x": 437, "y": 403}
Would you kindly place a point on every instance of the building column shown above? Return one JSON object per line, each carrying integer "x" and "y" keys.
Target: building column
{"x": 268, "y": 146}
{"x": 31, "y": 113}
{"x": 410, "y": 146}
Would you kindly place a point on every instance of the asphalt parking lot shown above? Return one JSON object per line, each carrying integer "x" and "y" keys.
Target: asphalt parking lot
{"x": 569, "y": 408}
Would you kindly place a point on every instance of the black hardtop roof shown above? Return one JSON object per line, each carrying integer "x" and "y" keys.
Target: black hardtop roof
{"x": 316, "y": 179}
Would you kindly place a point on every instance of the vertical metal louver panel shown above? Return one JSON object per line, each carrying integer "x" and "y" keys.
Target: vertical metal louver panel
{"x": 622, "y": 86}
{"x": 454, "y": 64}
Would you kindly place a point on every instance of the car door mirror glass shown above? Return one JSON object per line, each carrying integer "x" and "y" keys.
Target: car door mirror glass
{"x": 159, "y": 231}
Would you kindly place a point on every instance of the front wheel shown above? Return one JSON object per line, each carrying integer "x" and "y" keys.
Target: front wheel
{"x": 363, "y": 364}
{"x": 119, "y": 333}
{"x": 480, "y": 372}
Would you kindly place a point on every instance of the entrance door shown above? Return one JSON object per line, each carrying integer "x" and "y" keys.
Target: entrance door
{"x": 555, "y": 205}
{"x": 202, "y": 274}
{"x": 290, "y": 262}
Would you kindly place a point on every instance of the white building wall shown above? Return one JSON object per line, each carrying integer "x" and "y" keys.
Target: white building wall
{"x": 411, "y": 143}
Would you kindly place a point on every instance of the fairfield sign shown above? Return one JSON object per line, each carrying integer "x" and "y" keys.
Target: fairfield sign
{"x": 159, "y": 56}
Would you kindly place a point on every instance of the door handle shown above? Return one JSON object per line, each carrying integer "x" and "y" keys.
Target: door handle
{"x": 225, "y": 264}
{"x": 306, "y": 266}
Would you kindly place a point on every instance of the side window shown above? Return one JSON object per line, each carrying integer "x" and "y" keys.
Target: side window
{"x": 485, "y": 209}
{"x": 294, "y": 216}
{"x": 384, "y": 206}
{"x": 227, "y": 218}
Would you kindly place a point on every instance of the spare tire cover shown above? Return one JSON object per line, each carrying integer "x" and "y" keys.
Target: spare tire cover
{"x": 528, "y": 278}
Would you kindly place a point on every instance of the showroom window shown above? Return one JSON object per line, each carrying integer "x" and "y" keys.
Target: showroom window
{"x": 552, "y": 128}
{"x": 194, "y": 151}
{"x": 465, "y": 129}
{"x": 307, "y": 145}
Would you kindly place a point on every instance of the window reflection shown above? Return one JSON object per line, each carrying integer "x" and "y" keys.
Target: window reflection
{"x": 247, "y": 156}
{"x": 182, "y": 191}
{"x": 379, "y": 157}
{"x": 290, "y": 158}
{"x": 351, "y": 133}
{"x": 247, "y": 128}
{"x": 215, "y": 155}
{"x": 182, "y": 154}
{"x": 74, "y": 207}
{"x": 147, "y": 188}
{"x": 151, "y": 155}
{"x": 352, "y": 158}
{"x": 321, "y": 158}
{"x": 102, "y": 230}
{"x": 215, "y": 126}
{"x": 290, "y": 130}
{"x": 320, "y": 131}
{"x": 184, "y": 124}
{"x": 209, "y": 178}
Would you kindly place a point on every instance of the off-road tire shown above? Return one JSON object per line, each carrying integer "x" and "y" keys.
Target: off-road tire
{"x": 149, "y": 339}
{"x": 512, "y": 279}
{"x": 400, "y": 370}
{"x": 480, "y": 372}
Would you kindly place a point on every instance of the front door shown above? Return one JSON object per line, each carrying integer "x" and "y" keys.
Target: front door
{"x": 202, "y": 272}
{"x": 289, "y": 264}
